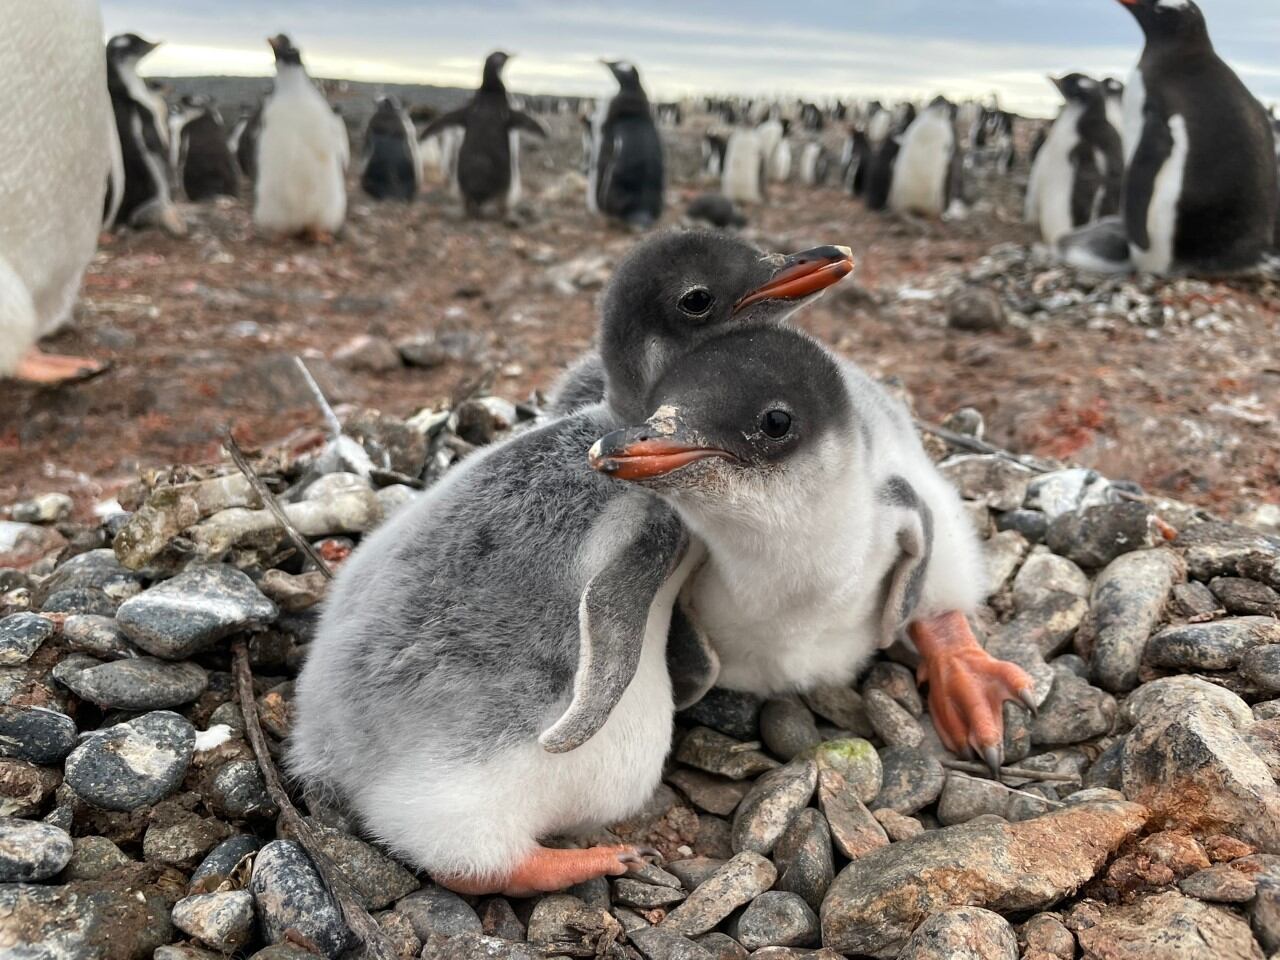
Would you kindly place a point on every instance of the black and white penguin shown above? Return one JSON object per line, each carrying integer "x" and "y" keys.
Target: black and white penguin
{"x": 815, "y": 164}
{"x": 742, "y": 179}
{"x": 885, "y": 132}
{"x": 1077, "y": 174}
{"x": 829, "y": 533}
{"x": 781, "y": 159}
{"x": 1114, "y": 90}
{"x": 243, "y": 141}
{"x": 926, "y": 173}
{"x": 488, "y": 166}
{"x": 713, "y": 150}
{"x": 626, "y": 177}
{"x": 855, "y": 161}
{"x": 205, "y": 166}
{"x": 55, "y": 158}
{"x": 392, "y": 161}
{"x": 143, "y": 124}
{"x": 1200, "y": 187}
{"x": 303, "y": 151}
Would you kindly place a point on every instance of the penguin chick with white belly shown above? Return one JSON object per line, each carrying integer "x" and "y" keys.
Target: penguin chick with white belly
{"x": 927, "y": 171}
{"x": 827, "y": 528}
{"x": 303, "y": 150}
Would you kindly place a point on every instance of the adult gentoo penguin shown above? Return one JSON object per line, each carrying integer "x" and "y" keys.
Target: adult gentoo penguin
{"x": 392, "y": 162}
{"x": 488, "y": 167}
{"x": 55, "y": 159}
{"x": 927, "y": 170}
{"x": 143, "y": 125}
{"x": 204, "y": 165}
{"x": 303, "y": 152}
{"x": 742, "y": 177}
{"x": 1077, "y": 173}
{"x": 625, "y": 180}
{"x": 829, "y": 533}
{"x": 1200, "y": 184}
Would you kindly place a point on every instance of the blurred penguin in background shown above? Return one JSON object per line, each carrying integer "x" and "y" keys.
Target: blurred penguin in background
{"x": 927, "y": 172}
{"x": 626, "y": 177}
{"x": 392, "y": 162}
{"x": 203, "y": 161}
{"x": 55, "y": 161}
{"x": 742, "y": 180}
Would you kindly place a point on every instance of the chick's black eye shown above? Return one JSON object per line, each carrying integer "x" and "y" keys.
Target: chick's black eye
{"x": 776, "y": 424}
{"x": 697, "y": 302}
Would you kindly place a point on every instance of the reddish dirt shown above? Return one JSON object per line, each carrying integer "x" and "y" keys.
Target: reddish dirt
{"x": 200, "y": 331}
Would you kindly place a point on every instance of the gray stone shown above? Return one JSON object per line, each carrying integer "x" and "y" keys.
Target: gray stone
{"x": 31, "y": 851}
{"x": 93, "y": 858}
{"x": 654, "y": 943}
{"x": 806, "y": 865}
{"x": 1129, "y": 597}
{"x": 876, "y": 903}
{"x": 43, "y": 508}
{"x": 891, "y": 722}
{"x": 470, "y": 946}
{"x": 735, "y": 884}
{"x": 1032, "y": 524}
{"x": 857, "y": 761}
{"x": 787, "y": 728}
{"x": 1245, "y": 597}
{"x": 184, "y": 842}
{"x": 1221, "y": 883}
{"x": 98, "y": 636}
{"x": 976, "y": 309}
{"x": 644, "y": 896}
{"x": 714, "y": 752}
{"x": 36, "y": 734}
{"x": 1073, "y": 712}
{"x": 843, "y": 706}
{"x": 898, "y": 682}
{"x": 21, "y": 635}
{"x": 1174, "y": 695}
{"x": 1043, "y": 576}
{"x": 718, "y": 795}
{"x": 722, "y": 946}
{"x": 854, "y": 831}
{"x": 1261, "y": 667}
{"x": 194, "y": 610}
{"x": 776, "y": 919}
{"x": 238, "y": 792}
{"x": 376, "y": 878}
{"x": 962, "y": 933}
{"x": 993, "y": 480}
{"x": 1095, "y": 536}
{"x": 1047, "y": 627}
{"x": 399, "y": 933}
{"x": 1168, "y": 926}
{"x": 73, "y": 922}
{"x": 912, "y": 780}
{"x": 897, "y": 826}
{"x": 133, "y": 764}
{"x": 498, "y": 918}
{"x": 222, "y": 861}
{"x": 79, "y": 600}
{"x": 143, "y": 683}
{"x": 435, "y": 910}
{"x": 1264, "y": 912}
{"x": 97, "y": 569}
{"x": 289, "y": 896}
{"x": 25, "y": 788}
{"x": 223, "y": 920}
{"x": 772, "y": 804}
{"x": 1066, "y": 491}
{"x": 1194, "y": 599}
{"x": 694, "y": 871}
{"x": 964, "y": 798}
{"x": 1003, "y": 552}
{"x": 1211, "y": 646}
{"x": 730, "y": 712}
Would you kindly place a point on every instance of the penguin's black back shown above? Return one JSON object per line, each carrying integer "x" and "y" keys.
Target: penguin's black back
{"x": 389, "y": 172}
{"x": 247, "y": 148}
{"x": 630, "y": 164}
{"x": 207, "y": 168}
{"x": 880, "y": 174}
{"x": 484, "y": 160}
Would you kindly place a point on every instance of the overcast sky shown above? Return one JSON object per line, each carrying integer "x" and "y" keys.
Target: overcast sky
{"x": 882, "y": 48}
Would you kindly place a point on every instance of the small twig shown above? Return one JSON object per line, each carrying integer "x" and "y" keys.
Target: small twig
{"x": 376, "y": 944}
{"x": 330, "y": 418}
{"x": 1005, "y": 786}
{"x": 1017, "y": 773}
{"x": 271, "y": 503}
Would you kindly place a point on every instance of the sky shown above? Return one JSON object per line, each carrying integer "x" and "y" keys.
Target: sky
{"x": 860, "y": 48}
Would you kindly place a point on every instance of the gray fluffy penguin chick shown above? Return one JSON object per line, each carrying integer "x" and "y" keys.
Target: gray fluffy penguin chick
{"x": 675, "y": 291}
{"x": 827, "y": 528}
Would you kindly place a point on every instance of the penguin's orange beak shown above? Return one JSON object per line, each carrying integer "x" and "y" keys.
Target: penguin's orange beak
{"x": 802, "y": 275}
{"x": 634, "y": 454}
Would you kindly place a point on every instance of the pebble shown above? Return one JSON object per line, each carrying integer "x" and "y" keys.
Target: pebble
{"x": 993, "y": 480}
{"x": 1048, "y": 627}
{"x": 714, "y": 752}
{"x": 1261, "y": 667}
{"x": 964, "y": 798}
{"x": 857, "y": 761}
{"x": 1043, "y": 576}
{"x": 718, "y": 795}
{"x": 1194, "y": 599}
{"x": 73, "y": 922}
{"x": 1097, "y": 535}
{"x": 1129, "y": 597}
{"x": 435, "y": 910}
{"x": 776, "y": 919}
{"x": 377, "y": 879}
{"x": 890, "y": 721}
{"x": 195, "y": 609}
{"x": 222, "y": 860}
{"x": 842, "y": 706}
{"x": 695, "y": 871}
{"x": 132, "y": 764}
{"x": 31, "y": 851}
{"x": 1003, "y": 552}
{"x": 1047, "y": 938}
{"x": 79, "y": 601}
{"x": 498, "y": 919}
{"x": 735, "y": 884}
{"x": 1073, "y": 712}
{"x": 289, "y": 897}
{"x": 655, "y": 943}
{"x": 294, "y": 592}
{"x": 645, "y": 896}
{"x": 787, "y": 728}
{"x": 1167, "y": 926}
{"x": 223, "y": 920}
{"x": 1032, "y": 524}
{"x": 730, "y": 712}
{"x": 976, "y": 309}
{"x": 143, "y": 683}
{"x": 93, "y": 858}
{"x": 98, "y": 636}
{"x": 1246, "y": 597}
{"x": 876, "y": 903}
{"x": 772, "y": 804}
{"x": 36, "y": 734}
{"x": 238, "y": 792}
{"x": 896, "y": 825}
{"x": 1211, "y": 646}
{"x": 854, "y": 831}
{"x": 721, "y": 946}
{"x": 21, "y": 635}
{"x": 25, "y": 788}
{"x": 184, "y": 843}
{"x": 1264, "y": 912}
{"x": 898, "y": 682}
{"x": 912, "y": 779}
{"x": 43, "y": 508}
{"x": 1066, "y": 491}
{"x": 1221, "y": 883}
{"x": 804, "y": 858}
{"x": 368, "y": 353}
{"x": 962, "y": 933}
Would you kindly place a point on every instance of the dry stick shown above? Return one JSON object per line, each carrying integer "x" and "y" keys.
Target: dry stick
{"x": 376, "y": 944}
{"x": 1017, "y": 773}
{"x": 1005, "y": 786}
{"x": 271, "y": 503}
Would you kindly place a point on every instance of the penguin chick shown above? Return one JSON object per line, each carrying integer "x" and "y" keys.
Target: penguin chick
{"x": 491, "y": 667}
{"x": 626, "y": 177}
{"x": 676, "y": 290}
{"x": 392, "y": 159}
{"x": 828, "y": 530}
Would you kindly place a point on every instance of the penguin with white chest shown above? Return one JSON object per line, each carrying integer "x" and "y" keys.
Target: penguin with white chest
{"x": 143, "y": 125}
{"x": 743, "y": 173}
{"x": 1200, "y": 187}
{"x": 55, "y": 159}
{"x": 488, "y": 163}
{"x": 928, "y": 168}
{"x": 392, "y": 160}
{"x": 1077, "y": 173}
{"x": 626, "y": 175}
{"x": 302, "y": 155}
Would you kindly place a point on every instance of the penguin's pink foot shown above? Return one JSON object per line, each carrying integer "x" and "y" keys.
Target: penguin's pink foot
{"x": 967, "y": 687}
{"x": 547, "y": 870}
{"x": 48, "y": 368}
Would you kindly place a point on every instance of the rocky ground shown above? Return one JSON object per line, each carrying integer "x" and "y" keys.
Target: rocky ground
{"x": 1137, "y": 816}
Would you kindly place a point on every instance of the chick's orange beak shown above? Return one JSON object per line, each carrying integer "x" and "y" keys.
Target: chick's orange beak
{"x": 803, "y": 274}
